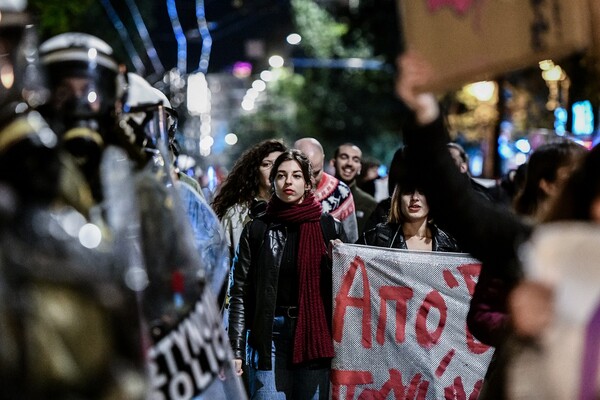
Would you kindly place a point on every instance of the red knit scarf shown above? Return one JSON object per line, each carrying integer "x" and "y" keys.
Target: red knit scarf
{"x": 312, "y": 339}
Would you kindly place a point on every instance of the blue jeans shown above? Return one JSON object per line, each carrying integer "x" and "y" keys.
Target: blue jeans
{"x": 285, "y": 381}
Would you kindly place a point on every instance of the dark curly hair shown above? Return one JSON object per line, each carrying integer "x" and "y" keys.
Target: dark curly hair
{"x": 242, "y": 183}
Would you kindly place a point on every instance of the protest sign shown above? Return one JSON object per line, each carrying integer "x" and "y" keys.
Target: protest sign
{"x": 472, "y": 40}
{"x": 399, "y": 325}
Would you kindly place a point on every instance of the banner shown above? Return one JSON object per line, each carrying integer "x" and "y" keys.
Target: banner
{"x": 564, "y": 363}
{"x": 399, "y": 325}
{"x": 470, "y": 40}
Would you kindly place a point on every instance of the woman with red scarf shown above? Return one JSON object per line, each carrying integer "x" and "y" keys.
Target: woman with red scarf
{"x": 280, "y": 296}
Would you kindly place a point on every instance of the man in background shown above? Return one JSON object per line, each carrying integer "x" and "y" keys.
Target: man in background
{"x": 347, "y": 161}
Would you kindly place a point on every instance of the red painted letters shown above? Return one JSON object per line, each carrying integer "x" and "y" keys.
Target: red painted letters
{"x": 343, "y": 300}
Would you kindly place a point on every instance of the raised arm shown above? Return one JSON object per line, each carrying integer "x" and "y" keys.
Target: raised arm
{"x": 489, "y": 233}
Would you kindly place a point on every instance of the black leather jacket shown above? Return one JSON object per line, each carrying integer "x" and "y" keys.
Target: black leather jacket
{"x": 391, "y": 236}
{"x": 253, "y": 291}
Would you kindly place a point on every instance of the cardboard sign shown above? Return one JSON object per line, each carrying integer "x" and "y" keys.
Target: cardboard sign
{"x": 472, "y": 40}
{"x": 399, "y": 325}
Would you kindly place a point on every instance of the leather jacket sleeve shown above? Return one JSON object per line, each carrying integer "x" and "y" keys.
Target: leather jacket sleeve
{"x": 379, "y": 236}
{"x": 239, "y": 293}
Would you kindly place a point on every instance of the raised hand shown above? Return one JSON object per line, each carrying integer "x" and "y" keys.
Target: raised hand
{"x": 414, "y": 74}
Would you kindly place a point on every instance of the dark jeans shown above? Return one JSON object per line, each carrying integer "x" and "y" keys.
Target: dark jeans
{"x": 284, "y": 380}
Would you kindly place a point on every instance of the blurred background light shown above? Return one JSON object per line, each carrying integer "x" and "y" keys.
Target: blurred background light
{"x": 276, "y": 61}
{"x": 293, "y": 38}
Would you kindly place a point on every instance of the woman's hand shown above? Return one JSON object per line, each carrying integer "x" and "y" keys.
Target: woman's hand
{"x": 237, "y": 366}
{"x": 531, "y": 308}
{"x": 332, "y": 244}
{"x": 415, "y": 73}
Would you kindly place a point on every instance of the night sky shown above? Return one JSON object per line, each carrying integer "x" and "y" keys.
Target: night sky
{"x": 231, "y": 23}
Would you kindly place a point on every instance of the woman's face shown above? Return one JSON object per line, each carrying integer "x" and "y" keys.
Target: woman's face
{"x": 414, "y": 206}
{"x": 289, "y": 182}
{"x": 265, "y": 169}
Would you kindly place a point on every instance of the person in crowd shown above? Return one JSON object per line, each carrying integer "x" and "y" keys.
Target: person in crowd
{"x": 347, "y": 161}
{"x": 246, "y": 189}
{"x": 490, "y": 233}
{"x": 548, "y": 168}
{"x": 512, "y": 182}
{"x": 579, "y": 199}
{"x": 488, "y": 318}
{"x": 369, "y": 180}
{"x": 409, "y": 224}
{"x": 382, "y": 210}
{"x": 281, "y": 289}
{"x": 335, "y": 196}
{"x": 461, "y": 159}
{"x": 531, "y": 302}
{"x": 368, "y": 175}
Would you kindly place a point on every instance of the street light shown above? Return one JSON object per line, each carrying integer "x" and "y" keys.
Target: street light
{"x": 293, "y": 38}
{"x": 276, "y": 61}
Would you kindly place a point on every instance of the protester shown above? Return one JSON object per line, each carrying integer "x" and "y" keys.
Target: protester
{"x": 409, "y": 225}
{"x": 548, "y": 168}
{"x": 281, "y": 289}
{"x": 531, "y": 303}
{"x": 578, "y": 200}
{"x": 490, "y": 233}
{"x": 461, "y": 159}
{"x": 382, "y": 210}
{"x": 335, "y": 196}
{"x": 368, "y": 178}
{"x": 245, "y": 189}
{"x": 512, "y": 182}
{"x": 347, "y": 162}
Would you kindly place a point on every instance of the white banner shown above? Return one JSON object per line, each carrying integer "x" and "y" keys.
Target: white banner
{"x": 399, "y": 325}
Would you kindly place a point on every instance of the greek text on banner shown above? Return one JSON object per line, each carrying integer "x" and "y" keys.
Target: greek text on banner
{"x": 399, "y": 325}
